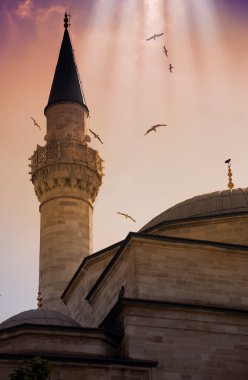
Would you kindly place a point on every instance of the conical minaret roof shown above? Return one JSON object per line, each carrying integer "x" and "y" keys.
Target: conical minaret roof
{"x": 66, "y": 83}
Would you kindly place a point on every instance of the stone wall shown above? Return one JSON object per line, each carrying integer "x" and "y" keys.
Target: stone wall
{"x": 191, "y": 273}
{"x": 168, "y": 271}
{"x": 65, "y": 119}
{"x": 195, "y": 312}
{"x": 188, "y": 344}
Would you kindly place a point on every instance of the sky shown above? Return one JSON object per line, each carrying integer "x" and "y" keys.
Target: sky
{"x": 128, "y": 88}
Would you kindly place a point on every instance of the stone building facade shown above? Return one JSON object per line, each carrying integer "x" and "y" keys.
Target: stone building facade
{"x": 167, "y": 303}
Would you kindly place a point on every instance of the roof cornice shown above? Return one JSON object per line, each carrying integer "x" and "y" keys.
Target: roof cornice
{"x": 191, "y": 220}
{"x": 67, "y": 359}
{"x": 124, "y": 302}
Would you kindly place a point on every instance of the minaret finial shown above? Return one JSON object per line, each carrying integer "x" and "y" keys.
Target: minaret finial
{"x": 230, "y": 183}
{"x": 39, "y": 300}
{"x": 66, "y": 20}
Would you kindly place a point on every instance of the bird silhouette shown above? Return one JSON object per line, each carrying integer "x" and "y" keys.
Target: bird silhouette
{"x": 165, "y": 51}
{"x": 35, "y": 123}
{"x": 154, "y": 36}
{"x": 171, "y": 67}
{"x": 95, "y": 135}
{"x": 228, "y": 161}
{"x": 154, "y": 127}
{"x": 126, "y": 216}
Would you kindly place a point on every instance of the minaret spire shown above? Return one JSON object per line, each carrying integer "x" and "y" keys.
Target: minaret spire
{"x": 66, "y": 85}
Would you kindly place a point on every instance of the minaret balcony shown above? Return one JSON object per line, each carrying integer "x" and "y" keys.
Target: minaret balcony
{"x": 66, "y": 151}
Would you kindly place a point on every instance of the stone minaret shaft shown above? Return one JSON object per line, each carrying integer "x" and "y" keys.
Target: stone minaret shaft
{"x": 66, "y": 174}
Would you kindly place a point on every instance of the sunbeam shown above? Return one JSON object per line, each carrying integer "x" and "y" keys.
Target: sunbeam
{"x": 128, "y": 88}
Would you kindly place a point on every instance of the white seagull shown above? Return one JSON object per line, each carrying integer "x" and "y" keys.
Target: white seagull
{"x": 126, "y": 216}
{"x": 154, "y": 36}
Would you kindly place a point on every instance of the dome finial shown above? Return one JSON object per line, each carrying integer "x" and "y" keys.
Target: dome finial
{"x": 39, "y": 299}
{"x": 230, "y": 183}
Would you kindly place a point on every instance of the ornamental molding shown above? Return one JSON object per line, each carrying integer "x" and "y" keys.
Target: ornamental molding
{"x": 66, "y": 168}
{"x": 67, "y": 150}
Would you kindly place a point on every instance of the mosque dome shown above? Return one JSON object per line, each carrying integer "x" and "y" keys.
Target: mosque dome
{"x": 218, "y": 203}
{"x": 41, "y": 317}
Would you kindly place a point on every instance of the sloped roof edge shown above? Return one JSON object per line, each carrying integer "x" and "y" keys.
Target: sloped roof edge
{"x": 85, "y": 261}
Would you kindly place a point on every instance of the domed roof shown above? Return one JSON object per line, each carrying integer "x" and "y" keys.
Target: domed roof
{"x": 211, "y": 204}
{"x": 41, "y": 317}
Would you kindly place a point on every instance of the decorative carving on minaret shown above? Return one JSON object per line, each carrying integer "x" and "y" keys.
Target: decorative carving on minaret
{"x": 66, "y": 151}
{"x": 62, "y": 164}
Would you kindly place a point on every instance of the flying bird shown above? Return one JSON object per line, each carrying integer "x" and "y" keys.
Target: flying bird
{"x": 165, "y": 51}
{"x": 154, "y": 128}
{"x": 126, "y": 216}
{"x": 171, "y": 67}
{"x": 35, "y": 123}
{"x": 228, "y": 161}
{"x": 95, "y": 136}
{"x": 154, "y": 36}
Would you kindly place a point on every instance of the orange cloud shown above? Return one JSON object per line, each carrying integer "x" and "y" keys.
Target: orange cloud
{"x": 24, "y": 9}
{"x": 44, "y": 14}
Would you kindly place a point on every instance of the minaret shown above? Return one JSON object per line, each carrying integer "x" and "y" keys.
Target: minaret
{"x": 66, "y": 174}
